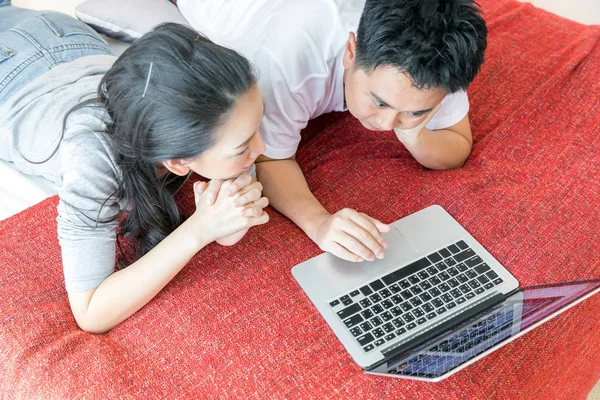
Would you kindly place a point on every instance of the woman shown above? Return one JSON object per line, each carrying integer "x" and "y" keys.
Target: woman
{"x": 123, "y": 135}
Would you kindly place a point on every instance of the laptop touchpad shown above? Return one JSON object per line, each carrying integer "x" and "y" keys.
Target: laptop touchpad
{"x": 399, "y": 251}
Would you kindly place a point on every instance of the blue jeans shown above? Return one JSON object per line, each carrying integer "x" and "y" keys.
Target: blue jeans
{"x": 33, "y": 42}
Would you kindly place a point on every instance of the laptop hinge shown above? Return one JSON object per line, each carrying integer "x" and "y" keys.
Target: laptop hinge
{"x": 453, "y": 321}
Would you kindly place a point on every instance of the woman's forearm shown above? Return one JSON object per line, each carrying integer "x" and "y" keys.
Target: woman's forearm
{"x": 125, "y": 292}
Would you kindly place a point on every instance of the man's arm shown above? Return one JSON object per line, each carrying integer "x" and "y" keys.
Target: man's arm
{"x": 439, "y": 149}
{"x": 347, "y": 234}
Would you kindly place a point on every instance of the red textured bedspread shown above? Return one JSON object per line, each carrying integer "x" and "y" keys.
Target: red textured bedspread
{"x": 234, "y": 323}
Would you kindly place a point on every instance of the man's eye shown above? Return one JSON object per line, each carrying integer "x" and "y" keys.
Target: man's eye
{"x": 379, "y": 104}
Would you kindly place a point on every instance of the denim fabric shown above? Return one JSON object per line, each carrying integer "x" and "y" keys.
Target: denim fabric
{"x": 33, "y": 42}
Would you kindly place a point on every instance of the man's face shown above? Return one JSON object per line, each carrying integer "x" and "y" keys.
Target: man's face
{"x": 385, "y": 98}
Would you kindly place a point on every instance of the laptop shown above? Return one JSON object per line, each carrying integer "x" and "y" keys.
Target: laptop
{"x": 435, "y": 304}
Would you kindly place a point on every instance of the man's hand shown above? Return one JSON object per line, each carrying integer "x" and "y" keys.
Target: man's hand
{"x": 351, "y": 235}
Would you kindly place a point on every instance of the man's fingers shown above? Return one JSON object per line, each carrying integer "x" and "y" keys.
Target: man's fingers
{"x": 340, "y": 251}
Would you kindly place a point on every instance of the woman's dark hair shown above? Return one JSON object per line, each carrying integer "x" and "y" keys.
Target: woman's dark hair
{"x": 438, "y": 43}
{"x": 166, "y": 96}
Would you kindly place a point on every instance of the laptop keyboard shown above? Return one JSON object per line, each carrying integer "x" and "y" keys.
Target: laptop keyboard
{"x": 402, "y": 300}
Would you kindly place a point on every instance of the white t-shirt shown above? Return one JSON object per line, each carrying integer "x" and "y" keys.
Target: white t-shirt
{"x": 297, "y": 46}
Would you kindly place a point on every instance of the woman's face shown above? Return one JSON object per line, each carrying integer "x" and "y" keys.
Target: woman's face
{"x": 237, "y": 142}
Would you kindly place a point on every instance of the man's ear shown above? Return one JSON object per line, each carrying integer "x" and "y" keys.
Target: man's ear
{"x": 177, "y": 166}
{"x": 350, "y": 52}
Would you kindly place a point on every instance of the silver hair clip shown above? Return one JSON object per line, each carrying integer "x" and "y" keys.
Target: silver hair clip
{"x": 148, "y": 79}
{"x": 104, "y": 91}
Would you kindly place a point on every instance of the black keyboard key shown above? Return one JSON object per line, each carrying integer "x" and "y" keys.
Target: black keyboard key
{"x": 367, "y": 314}
{"x": 479, "y": 290}
{"x": 444, "y": 276}
{"x": 334, "y": 303}
{"x": 453, "y": 283}
{"x": 441, "y": 310}
{"x": 375, "y": 297}
{"x": 465, "y": 288}
{"x": 366, "y": 326}
{"x": 451, "y": 305}
{"x": 390, "y": 337}
{"x": 418, "y": 312}
{"x": 404, "y": 283}
{"x": 386, "y": 316}
{"x": 425, "y": 297}
{"x": 365, "y": 339}
{"x": 492, "y": 275}
{"x": 445, "y": 253}
{"x": 423, "y": 275}
{"x": 444, "y": 287}
{"x": 488, "y": 285}
{"x": 410, "y": 326}
{"x": 353, "y": 320}
{"x": 462, "y": 278}
{"x": 456, "y": 293}
{"x": 416, "y": 290}
{"x": 471, "y": 274}
{"x": 365, "y": 303}
{"x": 365, "y": 290}
{"x": 406, "y": 271}
{"x": 400, "y": 331}
{"x": 464, "y": 255}
{"x": 379, "y": 342}
{"x": 378, "y": 333}
{"x": 474, "y": 284}
{"x": 406, "y": 306}
{"x": 431, "y": 315}
{"x": 453, "y": 249}
{"x": 347, "y": 302}
{"x": 462, "y": 245}
{"x": 483, "y": 279}
{"x": 425, "y": 285}
{"x": 452, "y": 271}
{"x": 471, "y": 262}
{"x": 349, "y": 311}
{"x": 415, "y": 301}
{"x": 398, "y": 322}
{"x": 437, "y": 303}
{"x": 354, "y": 293}
{"x": 421, "y": 320}
{"x": 460, "y": 300}
{"x": 377, "y": 285}
{"x": 387, "y": 304}
{"x": 432, "y": 270}
{"x": 497, "y": 281}
{"x": 435, "y": 292}
{"x": 435, "y": 281}
{"x": 396, "y": 311}
{"x": 376, "y": 321}
{"x": 356, "y": 331}
{"x": 395, "y": 288}
{"x": 344, "y": 298}
{"x": 414, "y": 279}
{"x": 480, "y": 269}
{"x": 446, "y": 297}
{"x": 462, "y": 267}
{"x": 450, "y": 262}
{"x": 385, "y": 293}
{"x": 388, "y": 327}
{"x": 470, "y": 295}
{"x": 408, "y": 317}
{"x": 406, "y": 295}
{"x": 434, "y": 257}
{"x": 368, "y": 348}
{"x": 427, "y": 307}
{"x": 397, "y": 299}
{"x": 377, "y": 309}
{"x": 441, "y": 266}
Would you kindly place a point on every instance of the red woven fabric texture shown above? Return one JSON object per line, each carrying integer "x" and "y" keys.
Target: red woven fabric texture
{"x": 234, "y": 323}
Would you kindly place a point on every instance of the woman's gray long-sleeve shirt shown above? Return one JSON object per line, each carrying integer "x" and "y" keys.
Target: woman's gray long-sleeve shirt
{"x": 84, "y": 168}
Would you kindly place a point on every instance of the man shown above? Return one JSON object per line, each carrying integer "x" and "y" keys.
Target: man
{"x": 407, "y": 68}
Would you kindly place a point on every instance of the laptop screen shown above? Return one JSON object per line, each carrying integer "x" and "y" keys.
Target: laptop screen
{"x": 488, "y": 329}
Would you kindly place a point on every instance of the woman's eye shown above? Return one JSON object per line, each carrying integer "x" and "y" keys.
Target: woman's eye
{"x": 416, "y": 114}
{"x": 243, "y": 152}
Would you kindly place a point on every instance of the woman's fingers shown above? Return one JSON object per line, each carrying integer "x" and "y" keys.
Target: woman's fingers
{"x": 199, "y": 188}
{"x": 213, "y": 190}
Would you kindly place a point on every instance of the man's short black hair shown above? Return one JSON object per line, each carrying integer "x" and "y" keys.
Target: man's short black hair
{"x": 438, "y": 43}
